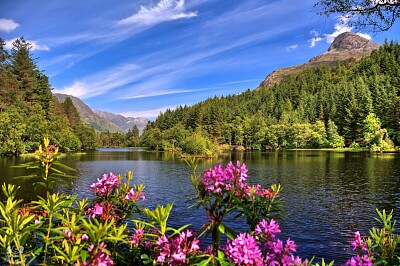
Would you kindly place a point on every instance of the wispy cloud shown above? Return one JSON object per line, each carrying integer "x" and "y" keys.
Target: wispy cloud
{"x": 160, "y": 93}
{"x": 8, "y": 25}
{"x": 292, "y": 47}
{"x": 35, "y": 46}
{"x": 101, "y": 82}
{"x": 165, "y": 10}
{"x": 237, "y": 82}
{"x": 58, "y": 59}
{"x": 340, "y": 27}
{"x": 148, "y": 113}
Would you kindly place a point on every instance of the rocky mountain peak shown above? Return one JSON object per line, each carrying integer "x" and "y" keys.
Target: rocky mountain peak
{"x": 346, "y": 47}
{"x": 349, "y": 41}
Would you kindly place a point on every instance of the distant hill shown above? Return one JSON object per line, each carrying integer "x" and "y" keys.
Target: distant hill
{"x": 125, "y": 123}
{"x": 346, "y": 47}
{"x": 88, "y": 116}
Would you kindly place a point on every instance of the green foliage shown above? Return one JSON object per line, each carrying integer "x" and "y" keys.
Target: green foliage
{"x": 333, "y": 137}
{"x": 197, "y": 144}
{"x": 59, "y": 230}
{"x": 376, "y": 137}
{"x": 319, "y": 107}
{"x": 28, "y": 111}
{"x": 12, "y": 129}
{"x": 16, "y": 228}
{"x": 47, "y": 170}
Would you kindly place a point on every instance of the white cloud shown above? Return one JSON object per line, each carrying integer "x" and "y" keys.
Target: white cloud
{"x": 341, "y": 26}
{"x": 364, "y": 35}
{"x": 315, "y": 39}
{"x": 148, "y": 113}
{"x": 165, "y": 10}
{"x": 8, "y": 25}
{"x": 101, "y": 82}
{"x": 238, "y": 82}
{"x": 292, "y": 47}
{"x": 35, "y": 46}
{"x": 157, "y": 93}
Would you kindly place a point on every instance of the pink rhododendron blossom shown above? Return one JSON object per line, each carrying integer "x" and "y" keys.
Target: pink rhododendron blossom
{"x": 97, "y": 210}
{"x": 268, "y": 229}
{"x": 218, "y": 179}
{"x": 177, "y": 249}
{"x": 359, "y": 243}
{"x": 104, "y": 185}
{"x": 244, "y": 250}
{"x": 136, "y": 238}
{"x": 359, "y": 261}
{"x": 134, "y": 195}
{"x": 99, "y": 257}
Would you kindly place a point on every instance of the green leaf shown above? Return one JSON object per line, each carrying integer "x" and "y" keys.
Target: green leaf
{"x": 221, "y": 228}
{"x": 84, "y": 255}
{"x": 204, "y": 262}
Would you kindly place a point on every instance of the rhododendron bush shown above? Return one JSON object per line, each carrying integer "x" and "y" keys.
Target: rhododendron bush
{"x": 113, "y": 228}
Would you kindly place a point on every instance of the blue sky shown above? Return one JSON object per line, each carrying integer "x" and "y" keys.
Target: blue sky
{"x": 139, "y": 57}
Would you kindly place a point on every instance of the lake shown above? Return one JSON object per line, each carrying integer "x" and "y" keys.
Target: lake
{"x": 328, "y": 195}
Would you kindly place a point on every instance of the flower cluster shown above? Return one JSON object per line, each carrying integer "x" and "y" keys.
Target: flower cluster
{"x": 104, "y": 211}
{"x": 136, "y": 238}
{"x": 134, "y": 195}
{"x": 115, "y": 198}
{"x": 218, "y": 179}
{"x": 104, "y": 186}
{"x": 176, "y": 250}
{"x": 99, "y": 256}
{"x": 263, "y": 248}
{"x": 254, "y": 191}
{"x": 244, "y": 250}
{"x": 364, "y": 256}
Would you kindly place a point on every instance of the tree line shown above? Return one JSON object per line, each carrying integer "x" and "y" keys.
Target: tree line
{"x": 28, "y": 111}
{"x": 352, "y": 104}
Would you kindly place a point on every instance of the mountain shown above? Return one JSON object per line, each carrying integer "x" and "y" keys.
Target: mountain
{"x": 346, "y": 47}
{"x": 103, "y": 121}
{"x": 88, "y": 116}
{"x": 125, "y": 123}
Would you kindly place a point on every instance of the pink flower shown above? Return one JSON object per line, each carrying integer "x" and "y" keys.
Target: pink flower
{"x": 218, "y": 179}
{"x": 85, "y": 237}
{"x": 99, "y": 256}
{"x": 104, "y": 185}
{"x": 359, "y": 261}
{"x": 176, "y": 250}
{"x": 137, "y": 237}
{"x": 359, "y": 243}
{"x": 244, "y": 250}
{"x": 68, "y": 233}
{"x": 37, "y": 221}
{"x": 97, "y": 210}
{"x": 268, "y": 229}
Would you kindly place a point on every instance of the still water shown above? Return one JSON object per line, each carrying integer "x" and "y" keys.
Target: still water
{"x": 328, "y": 195}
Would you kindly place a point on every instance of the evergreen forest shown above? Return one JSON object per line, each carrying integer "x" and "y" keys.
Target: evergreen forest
{"x": 355, "y": 104}
{"x": 28, "y": 111}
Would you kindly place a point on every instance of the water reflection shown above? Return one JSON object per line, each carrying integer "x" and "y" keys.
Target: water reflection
{"x": 328, "y": 195}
